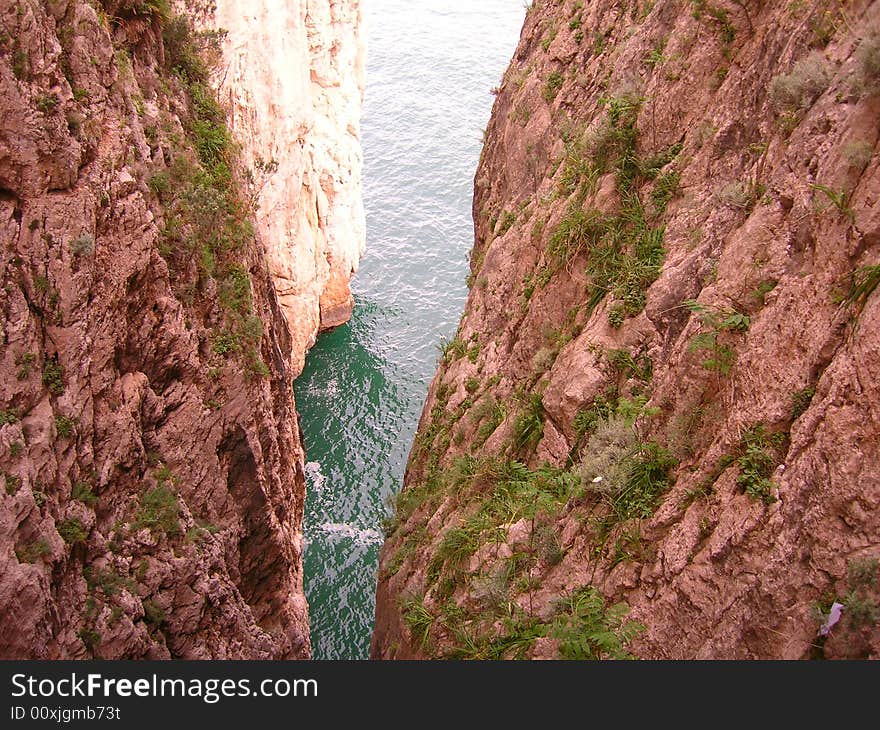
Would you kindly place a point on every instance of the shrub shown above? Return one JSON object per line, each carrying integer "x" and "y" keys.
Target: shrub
{"x": 528, "y": 428}
{"x": 154, "y": 616}
{"x": 24, "y": 362}
{"x": 83, "y": 245}
{"x": 797, "y": 90}
{"x": 32, "y": 551}
{"x": 868, "y": 56}
{"x": 72, "y": 531}
{"x": 83, "y": 492}
{"x": 865, "y": 281}
{"x": 47, "y": 104}
{"x": 8, "y": 417}
{"x": 90, "y": 638}
{"x": 159, "y": 511}
{"x": 575, "y": 234}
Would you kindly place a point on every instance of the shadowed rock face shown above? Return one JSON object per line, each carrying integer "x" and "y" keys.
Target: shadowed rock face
{"x": 149, "y": 446}
{"x": 672, "y": 215}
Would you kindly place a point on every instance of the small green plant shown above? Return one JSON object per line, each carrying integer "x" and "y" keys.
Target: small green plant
{"x": 716, "y": 321}
{"x": 53, "y": 377}
{"x": 865, "y": 281}
{"x": 8, "y": 417}
{"x": 452, "y": 350}
{"x": 528, "y": 428}
{"x": 84, "y": 245}
{"x": 20, "y": 64}
{"x": 72, "y": 531}
{"x": 419, "y": 620}
{"x": 32, "y": 552}
{"x": 47, "y": 104}
{"x": 552, "y": 86}
{"x": 863, "y": 580}
{"x": 838, "y": 198}
{"x": 24, "y": 363}
{"x": 65, "y": 426}
{"x": 154, "y": 616}
{"x": 868, "y": 56}
{"x": 758, "y": 458}
{"x": 83, "y": 492}
{"x": 160, "y": 510}
{"x": 505, "y": 223}
{"x": 800, "y": 401}
{"x": 796, "y": 91}
{"x": 587, "y": 629}
{"x": 90, "y": 638}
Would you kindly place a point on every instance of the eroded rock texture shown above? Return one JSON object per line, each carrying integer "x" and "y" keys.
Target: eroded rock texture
{"x": 149, "y": 447}
{"x": 677, "y": 220}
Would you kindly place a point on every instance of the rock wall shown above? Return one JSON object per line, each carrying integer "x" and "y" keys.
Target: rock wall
{"x": 662, "y": 396}
{"x": 150, "y": 455}
{"x": 293, "y": 78}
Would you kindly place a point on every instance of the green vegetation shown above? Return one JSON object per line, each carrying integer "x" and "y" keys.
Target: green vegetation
{"x": 623, "y": 252}
{"x": 528, "y": 428}
{"x": 719, "y": 16}
{"x": 65, "y": 426}
{"x": 865, "y": 281}
{"x": 82, "y": 492}
{"x": 83, "y": 245}
{"x": 72, "y": 531}
{"x": 207, "y": 227}
{"x": 53, "y": 377}
{"x": 90, "y": 638}
{"x": 796, "y": 91}
{"x": 418, "y": 620}
{"x": 587, "y": 629}
{"x": 160, "y": 509}
{"x": 552, "y": 86}
{"x": 839, "y": 198}
{"x": 154, "y": 616}
{"x": 32, "y": 552}
{"x": 24, "y": 363}
{"x": 800, "y": 401}
{"x": 868, "y": 56}
{"x": 716, "y": 321}
{"x": 8, "y": 417}
{"x": 759, "y": 455}
{"x": 47, "y": 104}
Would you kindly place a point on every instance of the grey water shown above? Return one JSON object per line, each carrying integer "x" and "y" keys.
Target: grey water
{"x": 430, "y": 70}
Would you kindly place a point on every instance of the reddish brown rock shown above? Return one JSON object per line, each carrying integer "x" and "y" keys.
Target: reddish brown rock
{"x": 153, "y": 483}
{"x": 775, "y": 210}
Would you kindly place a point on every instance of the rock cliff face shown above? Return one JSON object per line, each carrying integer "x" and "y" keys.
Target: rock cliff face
{"x": 293, "y": 78}
{"x": 151, "y": 463}
{"x": 663, "y": 394}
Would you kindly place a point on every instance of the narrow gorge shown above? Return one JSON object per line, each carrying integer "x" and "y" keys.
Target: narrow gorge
{"x": 651, "y": 428}
{"x": 655, "y": 432}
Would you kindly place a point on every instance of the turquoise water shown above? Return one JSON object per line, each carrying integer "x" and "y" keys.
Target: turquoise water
{"x": 431, "y": 66}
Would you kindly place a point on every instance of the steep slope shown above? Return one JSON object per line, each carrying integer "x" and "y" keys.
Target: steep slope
{"x": 663, "y": 393}
{"x": 292, "y": 78}
{"x": 149, "y": 445}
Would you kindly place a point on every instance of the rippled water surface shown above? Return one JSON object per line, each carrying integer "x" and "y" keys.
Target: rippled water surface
{"x": 431, "y": 65}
